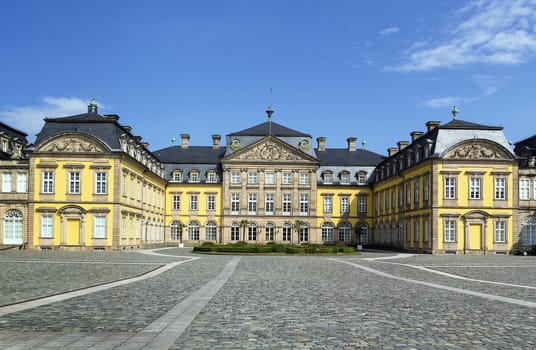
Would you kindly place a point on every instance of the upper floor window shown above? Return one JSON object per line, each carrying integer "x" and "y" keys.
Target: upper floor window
{"x": 304, "y": 178}
{"x": 345, "y": 205}
{"x": 416, "y": 191}
{"x": 252, "y": 178}
{"x": 193, "y": 202}
{"x": 524, "y": 188}
{"x": 361, "y": 204}
{"x": 500, "y": 188}
{"x": 74, "y": 182}
{"x": 304, "y": 204}
{"x": 408, "y": 193}
{"x": 6, "y": 182}
{"x": 345, "y": 178}
{"x": 100, "y": 183}
{"x": 269, "y": 204}
{"x": 287, "y": 203}
{"x": 328, "y": 204}
{"x": 22, "y": 182}
{"x": 425, "y": 188}
{"x": 269, "y": 178}
{"x": 194, "y": 176}
{"x": 235, "y": 203}
{"x": 47, "y": 184}
{"x": 361, "y": 178}
{"x": 235, "y": 177}
{"x": 327, "y": 177}
{"x": 211, "y": 202}
{"x": 176, "y": 202}
{"x": 287, "y": 178}
{"x": 450, "y": 188}
{"x": 252, "y": 203}
{"x": 212, "y": 177}
{"x": 474, "y": 188}
{"x": 176, "y": 176}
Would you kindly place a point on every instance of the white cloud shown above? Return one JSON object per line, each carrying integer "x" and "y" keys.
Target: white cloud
{"x": 29, "y": 119}
{"x": 441, "y": 102}
{"x": 389, "y": 31}
{"x": 488, "y": 31}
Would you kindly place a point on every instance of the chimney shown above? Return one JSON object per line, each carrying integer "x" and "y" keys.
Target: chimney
{"x": 432, "y": 124}
{"x": 391, "y": 151}
{"x": 111, "y": 116}
{"x": 185, "y": 138}
{"x": 127, "y": 128}
{"x": 321, "y": 143}
{"x": 402, "y": 145}
{"x": 351, "y": 143}
{"x": 216, "y": 141}
{"x": 415, "y": 135}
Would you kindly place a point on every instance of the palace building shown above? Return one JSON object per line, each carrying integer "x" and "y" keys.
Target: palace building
{"x": 89, "y": 183}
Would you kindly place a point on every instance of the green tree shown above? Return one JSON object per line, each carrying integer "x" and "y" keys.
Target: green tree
{"x": 243, "y": 224}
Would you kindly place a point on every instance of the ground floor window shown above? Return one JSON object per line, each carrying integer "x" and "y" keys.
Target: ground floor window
{"x": 269, "y": 232}
{"x": 193, "y": 231}
{"x": 176, "y": 230}
{"x": 13, "y": 227}
{"x": 210, "y": 231}
{"x": 528, "y": 231}
{"x": 500, "y": 231}
{"x": 287, "y": 232}
{"x": 327, "y": 232}
{"x": 344, "y": 232}
{"x": 252, "y": 232}
{"x": 235, "y": 232}
{"x": 303, "y": 234}
{"x": 449, "y": 230}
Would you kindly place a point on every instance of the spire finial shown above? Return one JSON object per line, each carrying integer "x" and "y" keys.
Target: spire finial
{"x": 455, "y": 111}
{"x": 270, "y": 111}
{"x": 92, "y": 107}
{"x": 363, "y": 143}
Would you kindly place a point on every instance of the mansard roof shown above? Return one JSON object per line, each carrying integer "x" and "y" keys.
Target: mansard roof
{"x": 344, "y": 157}
{"x": 462, "y": 124}
{"x": 190, "y": 155}
{"x": 13, "y": 133}
{"x": 270, "y": 128}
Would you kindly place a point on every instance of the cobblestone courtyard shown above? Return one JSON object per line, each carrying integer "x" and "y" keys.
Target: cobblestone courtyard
{"x": 173, "y": 299}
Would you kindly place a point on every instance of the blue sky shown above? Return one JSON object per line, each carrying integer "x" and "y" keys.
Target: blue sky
{"x": 375, "y": 70}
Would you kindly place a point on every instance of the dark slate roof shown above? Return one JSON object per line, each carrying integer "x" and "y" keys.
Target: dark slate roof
{"x": 263, "y": 129}
{"x": 526, "y": 147}
{"x": 14, "y": 133}
{"x": 462, "y": 124}
{"x": 344, "y": 157}
{"x": 106, "y": 129}
{"x": 190, "y": 155}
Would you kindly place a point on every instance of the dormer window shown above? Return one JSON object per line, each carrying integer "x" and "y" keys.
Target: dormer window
{"x": 345, "y": 178}
{"x": 212, "y": 176}
{"x": 361, "y": 178}
{"x": 327, "y": 177}
{"x": 176, "y": 176}
{"x": 194, "y": 176}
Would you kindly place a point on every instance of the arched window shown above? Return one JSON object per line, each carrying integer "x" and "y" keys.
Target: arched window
{"x": 176, "y": 230}
{"x": 287, "y": 232}
{"x": 252, "y": 232}
{"x": 13, "y": 227}
{"x": 362, "y": 232}
{"x": 235, "y": 232}
{"x": 344, "y": 232}
{"x": 528, "y": 231}
{"x": 210, "y": 231}
{"x": 327, "y": 232}
{"x": 303, "y": 233}
{"x": 193, "y": 231}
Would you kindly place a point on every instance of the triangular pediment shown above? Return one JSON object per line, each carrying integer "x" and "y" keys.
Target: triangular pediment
{"x": 73, "y": 143}
{"x": 478, "y": 149}
{"x": 270, "y": 150}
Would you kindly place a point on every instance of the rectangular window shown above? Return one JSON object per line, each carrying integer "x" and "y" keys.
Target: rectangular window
{"x": 500, "y": 188}
{"x": 176, "y": 202}
{"x": 361, "y": 179}
{"x": 362, "y": 204}
{"x": 252, "y": 203}
{"x": 450, "y": 188}
{"x": 22, "y": 182}
{"x": 304, "y": 204}
{"x": 46, "y": 226}
{"x": 99, "y": 227}
{"x": 345, "y": 205}
{"x": 287, "y": 178}
{"x": 132, "y": 187}
{"x": 100, "y": 183}
{"x": 304, "y": 178}
{"x": 425, "y": 230}
{"x": 47, "y": 185}
{"x": 400, "y": 196}
{"x": 74, "y": 182}
{"x": 269, "y": 204}
{"x": 269, "y": 178}
{"x": 500, "y": 231}
{"x": 269, "y": 233}
{"x": 194, "y": 176}
{"x": 345, "y": 178}
{"x": 287, "y": 204}
{"x": 176, "y": 176}
{"x": 193, "y": 202}
{"x": 6, "y": 182}
{"x": 408, "y": 230}
{"x": 123, "y": 227}
{"x": 416, "y": 193}
{"x": 252, "y": 178}
{"x": 474, "y": 187}
{"x": 235, "y": 177}
{"x": 328, "y": 204}
{"x": 235, "y": 203}
{"x": 416, "y": 229}
{"x": 328, "y": 178}
{"x": 524, "y": 188}
{"x": 425, "y": 188}
{"x": 408, "y": 193}
{"x": 449, "y": 230}
{"x": 124, "y": 185}
{"x": 211, "y": 202}
{"x": 393, "y": 198}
